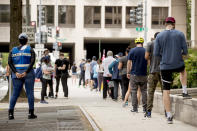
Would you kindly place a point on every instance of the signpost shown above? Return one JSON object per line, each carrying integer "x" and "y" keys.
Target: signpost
{"x": 30, "y": 31}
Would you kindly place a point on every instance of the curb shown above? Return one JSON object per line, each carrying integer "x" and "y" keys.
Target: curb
{"x": 92, "y": 122}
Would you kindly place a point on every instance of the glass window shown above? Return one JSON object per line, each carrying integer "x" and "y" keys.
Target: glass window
{"x": 113, "y": 16}
{"x": 66, "y": 15}
{"x": 24, "y": 14}
{"x": 128, "y": 22}
{"x": 159, "y": 15}
{"x": 47, "y": 15}
{"x": 4, "y": 13}
{"x": 92, "y": 16}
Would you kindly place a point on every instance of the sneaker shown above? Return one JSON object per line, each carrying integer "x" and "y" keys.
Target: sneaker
{"x": 125, "y": 104}
{"x": 44, "y": 102}
{"x": 134, "y": 110}
{"x": 148, "y": 114}
{"x": 186, "y": 96}
{"x": 170, "y": 120}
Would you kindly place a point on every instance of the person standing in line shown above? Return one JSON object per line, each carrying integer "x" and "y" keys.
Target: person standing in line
{"x": 64, "y": 74}
{"x": 95, "y": 76}
{"x": 47, "y": 70}
{"x": 92, "y": 64}
{"x": 87, "y": 73}
{"x": 21, "y": 60}
{"x": 122, "y": 66}
{"x": 58, "y": 72}
{"x": 74, "y": 74}
{"x": 136, "y": 72}
{"x": 171, "y": 46}
{"x": 107, "y": 76}
{"x": 82, "y": 72}
{"x": 154, "y": 74}
{"x": 99, "y": 69}
{"x": 113, "y": 69}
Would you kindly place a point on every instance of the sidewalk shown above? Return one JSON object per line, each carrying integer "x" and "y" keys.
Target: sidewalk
{"x": 109, "y": 115}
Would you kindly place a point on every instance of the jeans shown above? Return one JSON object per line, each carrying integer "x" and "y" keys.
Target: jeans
{"x": 125, "y": 84}
{"x": 116, "y": 87}
{"x": 28, "y": 80}
{"x": 82, "y": 77}
{"x": 44, "y": 87}
{"x": 64, "y": 78}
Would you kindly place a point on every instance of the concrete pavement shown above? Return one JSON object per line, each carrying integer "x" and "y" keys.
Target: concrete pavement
{"x": 109, "y": 115}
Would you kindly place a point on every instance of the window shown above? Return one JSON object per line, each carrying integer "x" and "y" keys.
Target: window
{"x": 92, "y": 16}
{"x": 66, "y": 16}
{"x": 159, "y": 15}
{"x": 4, "y": 14}
{"x": 47, "y": 15}
{"x": 113, "y": 16}
{"x": 128, "y": 22}
{"x": 24, "y": 13}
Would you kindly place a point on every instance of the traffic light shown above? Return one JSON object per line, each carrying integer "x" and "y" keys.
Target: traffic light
{"x": 139, "y": 14}
{"x": 132, "y": 16}
{"x": 49, "y": 33}
{"x": 59, "y": 45}
{"x": 57, "y": 32}
{"x": 43, "y": 14}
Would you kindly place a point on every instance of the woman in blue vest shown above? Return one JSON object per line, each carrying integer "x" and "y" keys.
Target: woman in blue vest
{"x": 21, "y": 60}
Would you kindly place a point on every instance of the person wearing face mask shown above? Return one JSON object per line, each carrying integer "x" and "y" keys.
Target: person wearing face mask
{"x": 21, "y": 60}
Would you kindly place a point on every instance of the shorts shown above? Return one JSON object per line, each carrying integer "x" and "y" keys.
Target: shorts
{"x": 92, "y": 76}
{"x": 74, "y": 73}
{"x": 166, "y": 77}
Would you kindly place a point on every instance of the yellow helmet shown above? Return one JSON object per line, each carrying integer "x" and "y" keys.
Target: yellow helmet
{"x": 139, "y": 40}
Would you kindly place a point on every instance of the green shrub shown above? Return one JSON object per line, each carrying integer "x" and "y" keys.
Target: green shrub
{"x": 191, "y": 68}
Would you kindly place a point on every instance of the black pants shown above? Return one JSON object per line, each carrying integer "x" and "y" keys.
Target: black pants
{"x": 82, "y": 77}
{"x": 44, "y": 87}
{"x": 106, "y": 88}
{"x": 125, "y": 84}
{"x": 64, "y": 78}
{"x": 58, "y": 77}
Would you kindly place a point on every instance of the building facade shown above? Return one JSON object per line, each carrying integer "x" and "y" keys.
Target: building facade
{"x": 89, "y": 26}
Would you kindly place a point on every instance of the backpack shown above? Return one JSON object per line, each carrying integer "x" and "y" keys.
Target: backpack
{"x": 39, "y": 72}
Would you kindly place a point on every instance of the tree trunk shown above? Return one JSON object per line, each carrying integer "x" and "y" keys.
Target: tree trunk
{"x": 15, "y": 30}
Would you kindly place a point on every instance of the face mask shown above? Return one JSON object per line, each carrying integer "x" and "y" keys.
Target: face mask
{"x": 23, "y": 41}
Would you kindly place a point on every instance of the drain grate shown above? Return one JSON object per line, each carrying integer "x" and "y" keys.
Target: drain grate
{"x": 68, "y": 118}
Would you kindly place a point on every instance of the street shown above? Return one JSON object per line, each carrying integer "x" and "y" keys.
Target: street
{"x": 107, "y": 114}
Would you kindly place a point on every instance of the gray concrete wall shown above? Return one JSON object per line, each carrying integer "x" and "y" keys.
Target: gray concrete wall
{"x": 183, "y": 110}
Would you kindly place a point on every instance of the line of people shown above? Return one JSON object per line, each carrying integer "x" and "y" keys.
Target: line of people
{"x": 164, "y": 56}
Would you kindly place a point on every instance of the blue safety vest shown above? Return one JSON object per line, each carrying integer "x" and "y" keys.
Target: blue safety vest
{"x": 21, "y": 58}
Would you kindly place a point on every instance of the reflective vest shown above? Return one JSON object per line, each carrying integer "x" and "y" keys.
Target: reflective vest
{"x": 21, "y": 58}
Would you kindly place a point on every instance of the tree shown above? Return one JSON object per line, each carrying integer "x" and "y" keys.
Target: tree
{"x": 15, "y": 30}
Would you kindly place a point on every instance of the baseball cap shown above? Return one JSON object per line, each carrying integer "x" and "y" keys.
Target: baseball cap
{"x": 170, "y": 19}
{"x": 23, "y": 36}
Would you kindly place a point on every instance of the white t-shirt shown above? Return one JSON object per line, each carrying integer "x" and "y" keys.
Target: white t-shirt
{"x": 106, "y": 62}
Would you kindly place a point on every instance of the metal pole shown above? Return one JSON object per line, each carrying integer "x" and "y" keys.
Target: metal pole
{"x": 40, "y": 8}
{"x": 10, "y": 87}
{"x": 99, "y": 49}
{"x": 145, "y": 22}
